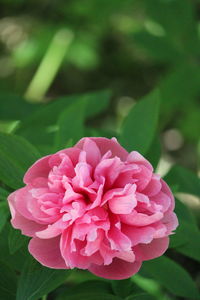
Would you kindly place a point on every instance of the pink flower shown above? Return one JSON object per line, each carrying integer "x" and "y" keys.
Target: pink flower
{"x": 94, "y": 206}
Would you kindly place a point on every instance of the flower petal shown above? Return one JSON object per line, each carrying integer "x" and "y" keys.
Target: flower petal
{"x": 149, "y": 251}
{"x": 105, "y": 145}
{"x": 117, "y": 270}
{"x": 40, "y": 168}
{"x": 47, "y": 252}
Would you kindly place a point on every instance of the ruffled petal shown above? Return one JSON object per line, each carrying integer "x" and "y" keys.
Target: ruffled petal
{"x": 28, "y": 227}
{"x": 106, "y": 145}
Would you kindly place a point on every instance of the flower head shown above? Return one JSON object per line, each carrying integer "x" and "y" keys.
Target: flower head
{"x": 94, "y": 206}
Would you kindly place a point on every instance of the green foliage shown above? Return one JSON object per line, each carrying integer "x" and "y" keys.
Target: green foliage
{"x": 8, "y": 282}
{"x": 15, "y": 240}
{"x": 186, "y": 181}
{"x": 172, "y": 276}
{"x": 3, "y": 214}
{"x": 36, "y": 280}
{"x": 122, "y": 288}
{"x": 16, "y": 156}
{"x": 71, "y": 124}
{"x": 140, "y": 125}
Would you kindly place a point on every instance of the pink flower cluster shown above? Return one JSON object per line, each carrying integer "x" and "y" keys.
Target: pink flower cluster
{"x": 94, "y": 206}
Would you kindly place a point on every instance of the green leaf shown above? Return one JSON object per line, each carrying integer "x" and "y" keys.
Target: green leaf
{"x": 90, "y": 296}
{"x": 172, "y": 276}
{"x": 90, "y": 286}
{"x": 8, "y": 282}
{"x": 191, "y": 245}
{"x": 186, "y": 180}
{"x": 14, "y": 107}
{"x": 97, "y": 102}
{"x": 154, "y": 152}
{"x": 70, "y": 124}
{"x": 36, "y": 280}
{"x": 140, "y": 297}
{"x": 49, "y": 113}
{"x": 186, "y": 229}
{"x": 15, "y": 261}
{"x": 122, "y": 288}
{"x": 15, "y": 240}
{"x": 3, "y": 214}
{"x": 140, "y": 125}
{"x": 3, "y": 194}
{"x": 16, "y": 156}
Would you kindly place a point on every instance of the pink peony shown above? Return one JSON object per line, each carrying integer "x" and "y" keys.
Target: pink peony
{"x": 94, "y": 206}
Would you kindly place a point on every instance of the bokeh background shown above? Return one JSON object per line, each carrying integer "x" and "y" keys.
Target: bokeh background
{"x": 55, "y": 48}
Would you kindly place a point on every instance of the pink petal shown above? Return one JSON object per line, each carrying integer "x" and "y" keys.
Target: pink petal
{"x": 105, "y": 145}
{"x": 40, "y": 168}
{"x": 153, "y": 187}
{"x": 163, "y": 200}
{"x": 74, "y": 257}
{"x": 140, "y": 219}
{"x": 139, "y": 235}
{"x": 123, "y": 201}
{"x": 52, "y": 230}
{"x": 93, "y": 154}
{"x": 170, "y": 220}
{"x": 117, "y": 270}
{"x": 167, "y": 191}
{"x": 149, "y": 251}
{"x": 47, "y": 252}
{"x": 137, "y": 158}
{"x": 108, "y": 169}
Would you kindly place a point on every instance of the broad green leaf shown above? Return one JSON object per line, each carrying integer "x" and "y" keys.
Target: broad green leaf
{"x": 191, "y": 247}
{"x": 14, "y": 107}
{"x": 36, "y": 280}
{"x": 15, "y": 261}
{"x": 186, "y": 180}
{"x": 3, "y": 214}
{"x": 8, "y": 282}
{"x": 154, "y": 152}
{"x": 15, "y": 240}
{"x": 97, "y": 102}
{"x": 3, "y": 194}
{"x": 122, "y": 288}
{"x": 89, "y": 296}
{"x": 140, "y": 297}
{"x": 172, "y": 276}
{"x": 186, "y": 229}
{"x": 49, "y": 113}
{"x": 177, "y": 89}
{"x": 16, "y": 156}
{"x": 90, "y": 286}
{"x": 70, "y": 124}
{"x": 184, "y": 213}
{"x": 140, "y": 125}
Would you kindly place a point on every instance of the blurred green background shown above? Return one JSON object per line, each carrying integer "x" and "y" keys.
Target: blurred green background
{"x": 54, "y": 48}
